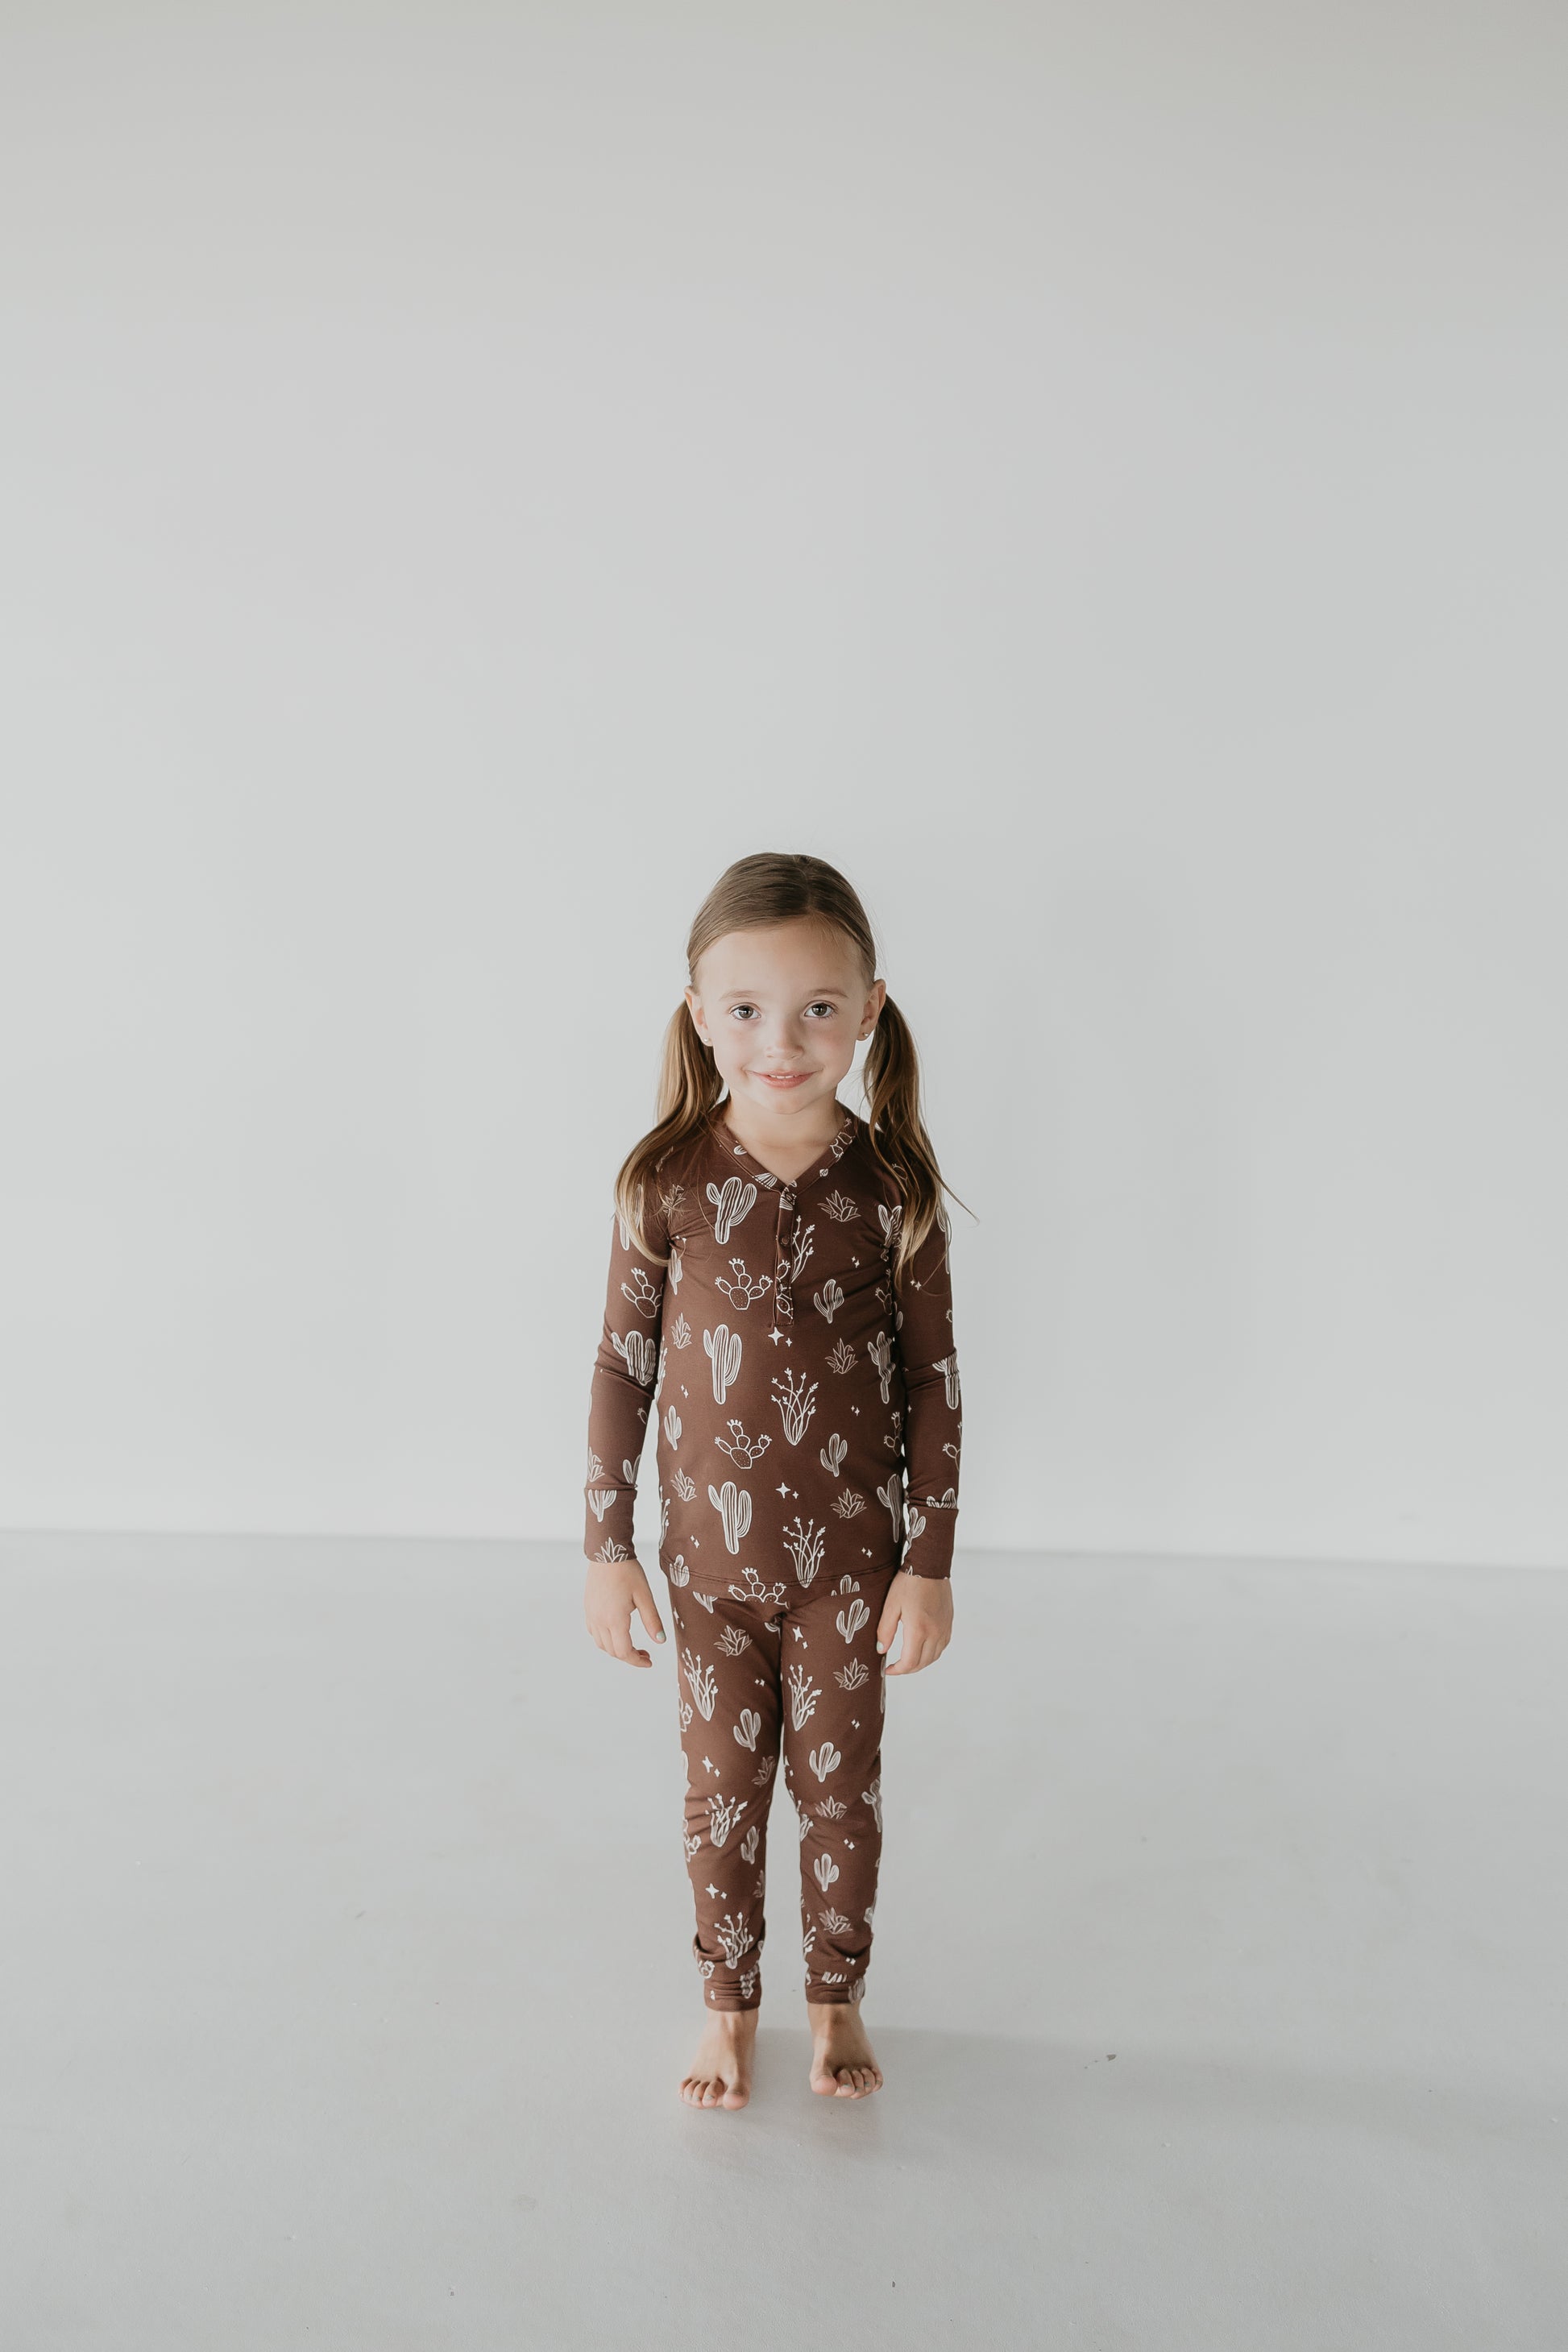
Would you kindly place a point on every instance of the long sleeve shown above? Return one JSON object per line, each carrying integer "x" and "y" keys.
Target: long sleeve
{"x": 934, "y": 1423}
{"x": 623, "y": 1383}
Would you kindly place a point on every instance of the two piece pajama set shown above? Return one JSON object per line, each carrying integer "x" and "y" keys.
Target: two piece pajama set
{"x": 808, "y": 1441}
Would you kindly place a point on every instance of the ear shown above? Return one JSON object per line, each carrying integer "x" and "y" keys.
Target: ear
{"x": 694, "y": 1007}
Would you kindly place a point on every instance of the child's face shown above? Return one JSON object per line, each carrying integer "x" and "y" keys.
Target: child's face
{"x": 788, "y": 997}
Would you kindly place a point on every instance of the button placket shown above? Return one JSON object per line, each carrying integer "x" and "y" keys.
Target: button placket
{"x": 783, "y": 1304}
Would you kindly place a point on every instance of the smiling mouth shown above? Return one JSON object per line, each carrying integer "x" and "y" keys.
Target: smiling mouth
{"x": 783, "y": 1077}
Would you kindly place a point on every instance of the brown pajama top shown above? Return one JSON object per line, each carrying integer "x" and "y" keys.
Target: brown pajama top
{"x": 808, "y": 1446}
{"x": 796, "y": 1396}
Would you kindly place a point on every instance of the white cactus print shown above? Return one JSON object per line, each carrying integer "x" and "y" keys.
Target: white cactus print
{"x": 681, "y": 1333}
{"x": 826, "y": 1758}
{"x": 638, "y": 1353}
{"x": 731, "y": 1201}
{"x": 849, "y": 1621}
{"x": 834, "y": 1921}
{"x": 803, "y": 1695}
{"x": 746, "y": 1731}
{"x": 804, "y": 1546}
{"x": 948, "y": 1367}
{"x": 741, "y": 1448}
{"x": 733, "y": 1505}
{"x": 842, "y": 1209}
{"x": 642, "y": 1292}
{"x": 851, "y": 1676}
{"x": 676, "y": 1570}
{"x": 891, "y": 1221}
{"x": 691, "y": 1839}
{"x": 611, "y": 1549}
{"x": 754, "y": 1589}
{"x": 724, "y": 1348}
{"x": 684, "y": 1486}
{"x": 734, "y": 1937}
{"x": 807, "y": 1941}
{"x": 743, "y": 1287}
{"x": 832, "y": 1454}
{"x": 914, "y": 1525}
{"x": 749, "y": 1843}
{"x": 892, "y": 1494}
{"x": 801, "y": 1248}
{"x": 686, "y": 1714}
{"x": 595, "y": 1467}
{"x": 849, "y": 1505}
{"x": 880, "y": 1350}
{"x": 825, "y": 1870}
{"x": 599, "y": 1501}
{"x": 732, "y": 1642}
{"x": 672, "y": 1425}
{"x": 842, "y": 1358}
{"x": 873, "y": 1797}
{"x": 831, "y": 1809}
{"x": 701, "y": 1683}
{"x": 724, "y": 1813}
{"x": 797, "y": 1404}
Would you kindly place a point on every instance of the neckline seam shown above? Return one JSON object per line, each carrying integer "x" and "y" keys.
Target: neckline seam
{"x": 844, "y": 1136}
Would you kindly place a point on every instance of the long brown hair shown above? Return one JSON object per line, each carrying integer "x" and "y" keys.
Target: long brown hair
{"x": 781, "y": 887}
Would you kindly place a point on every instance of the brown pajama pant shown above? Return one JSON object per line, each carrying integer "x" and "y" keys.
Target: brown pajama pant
{"x": 764, "y": 1670}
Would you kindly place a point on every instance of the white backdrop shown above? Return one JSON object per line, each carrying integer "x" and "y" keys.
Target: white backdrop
{"x": 1097, "y": 474}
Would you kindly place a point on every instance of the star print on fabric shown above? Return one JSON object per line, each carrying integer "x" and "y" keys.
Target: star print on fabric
{"x": 784, "y": 1489}
{"x": 711, "y": 1890}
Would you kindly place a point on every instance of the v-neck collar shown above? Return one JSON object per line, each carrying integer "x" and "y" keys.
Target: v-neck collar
{"x": 832, "y": 1150}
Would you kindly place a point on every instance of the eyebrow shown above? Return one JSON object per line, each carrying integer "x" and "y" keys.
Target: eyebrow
{"x": 743, "y": 995}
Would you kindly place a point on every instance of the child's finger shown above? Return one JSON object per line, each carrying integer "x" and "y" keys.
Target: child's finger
{"x": 622, "y": 1644}
{"x": 648, "y": 1613}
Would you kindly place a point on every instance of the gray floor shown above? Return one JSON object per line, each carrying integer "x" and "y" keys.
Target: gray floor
{"x": 1219, "y": 1976}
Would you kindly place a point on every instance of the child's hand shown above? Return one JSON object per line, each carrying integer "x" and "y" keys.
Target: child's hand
{"x": 615, "y": 1588}
{"x": 922, "y": 1605}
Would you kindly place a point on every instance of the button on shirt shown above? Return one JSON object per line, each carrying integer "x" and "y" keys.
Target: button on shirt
{"x": 808, "y": 1419}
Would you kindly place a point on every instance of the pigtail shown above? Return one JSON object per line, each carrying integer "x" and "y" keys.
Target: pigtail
{"x": 690, "y": 1088}
{"x": 891, "y": 1077}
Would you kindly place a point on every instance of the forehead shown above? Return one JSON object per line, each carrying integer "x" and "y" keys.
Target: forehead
{"x": 782, "y": 957}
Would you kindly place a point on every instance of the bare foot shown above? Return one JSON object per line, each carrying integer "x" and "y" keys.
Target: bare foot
{"x": 842, "y": 2065}
{"x": 720, "y": 2073}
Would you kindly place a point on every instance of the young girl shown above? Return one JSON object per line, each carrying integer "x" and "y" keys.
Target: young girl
{"x": 779, "y": 1299}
